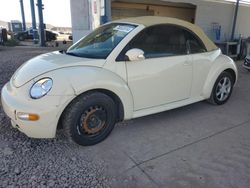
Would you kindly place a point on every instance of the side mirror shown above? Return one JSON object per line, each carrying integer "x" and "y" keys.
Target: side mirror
{"x": 135, "y": 54}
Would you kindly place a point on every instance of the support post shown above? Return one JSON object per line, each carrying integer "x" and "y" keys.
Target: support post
{"x": 108, "y": 9}
{"x": 80, "y": 18}
{"x": 235, "y": 19}
{"x": 104, "y": 17}
{"x": 35, "y": 34}
{"x": 23, "y": 15}
{"x": 41, "y": 24}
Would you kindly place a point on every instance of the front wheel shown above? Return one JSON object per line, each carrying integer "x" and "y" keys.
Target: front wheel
{"x": 222, "y": 89}
{"x": 90, "y": 118}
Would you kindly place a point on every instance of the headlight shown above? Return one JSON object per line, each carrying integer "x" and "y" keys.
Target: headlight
{"x": 41, "y": 88}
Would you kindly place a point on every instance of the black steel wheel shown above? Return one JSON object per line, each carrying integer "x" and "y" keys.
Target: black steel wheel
{"x": 90, "y": 118}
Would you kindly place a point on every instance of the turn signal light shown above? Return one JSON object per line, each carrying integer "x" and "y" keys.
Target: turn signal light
{"x": 27, "y": 116}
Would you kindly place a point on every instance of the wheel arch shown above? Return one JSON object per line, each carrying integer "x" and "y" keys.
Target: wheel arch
{"x": 118, "y": 102}
{"x": 115, "y": 98}
{"x": 232, "y": 72}
{"x": 222, "y": 63}
{"x": 212, "y": 77}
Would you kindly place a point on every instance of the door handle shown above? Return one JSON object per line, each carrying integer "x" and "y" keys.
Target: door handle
{"x": 187, "y": 63}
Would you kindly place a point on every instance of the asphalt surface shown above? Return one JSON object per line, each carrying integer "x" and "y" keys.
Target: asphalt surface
{"x": 199, "y": 145}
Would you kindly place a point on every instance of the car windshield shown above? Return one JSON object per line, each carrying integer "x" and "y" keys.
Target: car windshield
{"x": 100, "y": 43}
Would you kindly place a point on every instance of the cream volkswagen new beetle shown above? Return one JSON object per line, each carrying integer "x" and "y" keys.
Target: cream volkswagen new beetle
{"x": 124, "y": 69}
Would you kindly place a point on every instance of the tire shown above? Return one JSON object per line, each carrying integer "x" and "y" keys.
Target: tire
{"x": 222, "y": 89}
{"x": 89, "y": 119}
{"x": 21, "y": 38}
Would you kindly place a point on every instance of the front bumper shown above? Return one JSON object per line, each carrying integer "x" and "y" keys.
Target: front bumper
{"x": 48, "y": 110}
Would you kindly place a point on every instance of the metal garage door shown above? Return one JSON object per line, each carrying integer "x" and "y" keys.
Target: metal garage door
{"x": 123, "y": 12}
{"x": 122, "y": 9}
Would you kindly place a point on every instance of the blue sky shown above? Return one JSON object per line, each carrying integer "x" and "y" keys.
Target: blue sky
{"x": 56, "y": 12}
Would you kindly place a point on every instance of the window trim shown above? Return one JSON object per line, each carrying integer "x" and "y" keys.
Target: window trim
{"x": 119, "y": 58}
{"x": 198, "y": 39}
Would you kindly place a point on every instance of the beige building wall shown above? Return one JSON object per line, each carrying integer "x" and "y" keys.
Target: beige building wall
{"x": 213, "y": 12}
{"x": 221, "y": 12}
{"x": 243, "y": 23}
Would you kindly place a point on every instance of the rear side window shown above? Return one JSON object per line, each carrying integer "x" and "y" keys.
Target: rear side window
{"x": 160, "y": 41}
{"x": 195, "y": 45}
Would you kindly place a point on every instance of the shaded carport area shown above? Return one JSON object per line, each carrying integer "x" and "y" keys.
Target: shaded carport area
{"x": 127, "y": 8}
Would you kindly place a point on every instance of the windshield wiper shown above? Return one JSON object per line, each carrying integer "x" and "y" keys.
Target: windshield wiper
{"x": 62, "y": 51}
{"x": 73, "y": 54}
{"x": 90, "y": 56}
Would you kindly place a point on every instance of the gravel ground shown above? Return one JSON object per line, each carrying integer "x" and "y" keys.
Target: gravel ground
{"x": 26, "y": 162}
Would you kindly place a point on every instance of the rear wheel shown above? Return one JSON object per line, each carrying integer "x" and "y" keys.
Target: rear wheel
{"x": 222, "y": 89}
{"x": 21, "y": 38}
{"x": 90, "y": 118}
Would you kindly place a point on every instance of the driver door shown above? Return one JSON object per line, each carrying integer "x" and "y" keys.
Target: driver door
{"x": 165, "y": 75}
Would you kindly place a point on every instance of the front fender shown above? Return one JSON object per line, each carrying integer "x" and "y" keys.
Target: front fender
{"x": 220, "y": 64}
{"x": 83, "y": 79}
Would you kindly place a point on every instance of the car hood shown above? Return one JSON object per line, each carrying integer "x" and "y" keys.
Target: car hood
{"x": 49, "y": 62}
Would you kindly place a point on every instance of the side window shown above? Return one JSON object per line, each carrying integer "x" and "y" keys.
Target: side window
{"x": 160, "y": 41}
{"x": 194, "y": 44}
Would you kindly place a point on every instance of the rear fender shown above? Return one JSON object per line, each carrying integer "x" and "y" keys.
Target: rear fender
{"x": 220, "y": 64}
